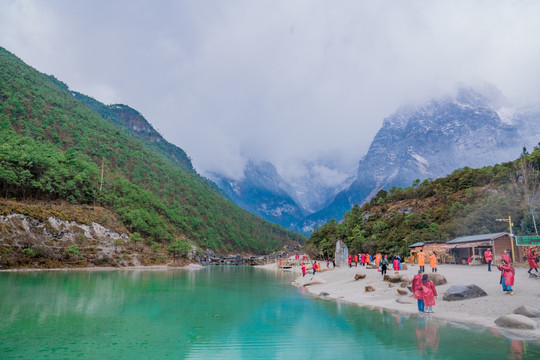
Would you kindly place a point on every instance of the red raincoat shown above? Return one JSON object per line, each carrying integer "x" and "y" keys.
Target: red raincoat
{"x": 508, "y": 274}
{"x": 531, "y": 257}
{"x": 488, "y": 255}
{"x": 417, "y": 286}
{"x": 428, "y": 293}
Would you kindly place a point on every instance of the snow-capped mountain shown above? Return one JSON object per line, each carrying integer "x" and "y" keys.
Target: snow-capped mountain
{"x": 263, "y": 192}
{"x": 474, "y": 128}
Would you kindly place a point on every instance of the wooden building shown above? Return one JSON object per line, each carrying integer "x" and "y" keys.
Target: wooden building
{"x": 470, "y": 249}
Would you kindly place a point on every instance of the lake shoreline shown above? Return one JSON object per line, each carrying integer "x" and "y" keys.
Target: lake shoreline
{"x": 108, "y": 268}
{"x": 338, "y": 284}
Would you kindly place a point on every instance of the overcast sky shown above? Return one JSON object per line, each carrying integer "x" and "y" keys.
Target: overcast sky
{"x": 276, "y": 80}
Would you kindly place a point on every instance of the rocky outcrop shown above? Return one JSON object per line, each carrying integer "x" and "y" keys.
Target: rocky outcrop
{"x": 463, "y": 292}
{"x": 359, "y": 276}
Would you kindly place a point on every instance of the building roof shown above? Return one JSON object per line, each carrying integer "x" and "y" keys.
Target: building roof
{"x": 422, "y": 243}
{"x": 476, "y": 238}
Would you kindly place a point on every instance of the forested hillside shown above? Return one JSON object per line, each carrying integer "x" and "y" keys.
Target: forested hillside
{"x": 466, "y": 202}
{"x": 56, "y": 148}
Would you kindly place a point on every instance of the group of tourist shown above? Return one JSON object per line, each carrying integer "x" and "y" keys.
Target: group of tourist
{"x": 423, "y": 288}
{"x": 361, "y": 259}
{"x": 422, "y": 261}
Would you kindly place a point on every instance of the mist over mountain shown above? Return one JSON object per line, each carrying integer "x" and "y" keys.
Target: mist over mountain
{"x": 474, "y": 127}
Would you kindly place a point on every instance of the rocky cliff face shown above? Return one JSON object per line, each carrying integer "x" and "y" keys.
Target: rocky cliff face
{"x": 264, "y": 193}
{"x": 471, "y": 129}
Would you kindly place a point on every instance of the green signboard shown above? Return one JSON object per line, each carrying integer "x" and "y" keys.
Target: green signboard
{"x": 528, "y": 240}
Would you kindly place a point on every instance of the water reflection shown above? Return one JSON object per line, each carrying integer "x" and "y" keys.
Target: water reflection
{"x": 426, "y": 336}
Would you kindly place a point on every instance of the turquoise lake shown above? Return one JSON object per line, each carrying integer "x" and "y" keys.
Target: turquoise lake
{"x": 216, "y": 313}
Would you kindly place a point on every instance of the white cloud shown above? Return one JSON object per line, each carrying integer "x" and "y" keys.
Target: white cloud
{"x": 275, "y": 80}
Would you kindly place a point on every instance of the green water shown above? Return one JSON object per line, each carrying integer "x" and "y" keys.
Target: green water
{"x": 215, "y": 313}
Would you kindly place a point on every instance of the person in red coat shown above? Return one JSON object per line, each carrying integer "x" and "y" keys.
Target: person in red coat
{"x": 355, "y": 260}
{"x": 363, "y": 259}
{"x": 531, "y": 258}
{"x": 350, "y": 260}
{"x": 315, "y": 267}
{"x": 428, "y": 293}
{"x": 417, "y": 290}
{"x": 507, "y": 277}
{"x": 506, "y": 257}
{"x": 488, "y": 255}
{"x": 303, "y": 270}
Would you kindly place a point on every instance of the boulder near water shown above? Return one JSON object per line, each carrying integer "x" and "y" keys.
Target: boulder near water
{"x": 404, "y": 299}
{"x": 528, "y": 311}
{"x": 515, "y": 321}
{"x": 463, "y": 292}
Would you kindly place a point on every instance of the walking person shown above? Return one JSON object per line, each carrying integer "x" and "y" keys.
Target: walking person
{"x": 428, "y": 293}
{"x": 531, "y": 258}
{"x": 314, "y": 267}
{"x": 416, "y": 288}
{"x": 433, "y": 262}
{"x": 507, "y": 277}
{"x": 303, "y": 270}
{"x": 384, "y": 264}
{"x": 349, "y": 260}
{"x": 422, "y": 260}
{"x": 488, "y": 255}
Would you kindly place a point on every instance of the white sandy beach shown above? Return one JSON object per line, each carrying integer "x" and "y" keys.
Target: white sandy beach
{"x": 340, "y": 285}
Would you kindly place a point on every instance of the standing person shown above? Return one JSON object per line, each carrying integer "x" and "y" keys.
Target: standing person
{"x": 417, "y": 290}
{"x": 378, "y": 258}
{"x": 303, "y": 269}
{"x": 314, "y": 267}
{"x": 333, "y": 263}
{"x": 384, "y": 264}
{"x": 433, "y": 262}
{"x": 395, "y": 262}
{"x": 328, "y": 264}
{"x": 507, "y": 277}
{"x": 355, "y": 260}
{"x": 428, "y": 293}
{"x": 488, "y": 255}
{"x": 421, "y": 260}
{"x": 349, "y": 260}
{"x": 506, "y": 257}
{"x": 531, "y": 258}
{"x": 362, "y": 259}
{"x": 319, "y": 267}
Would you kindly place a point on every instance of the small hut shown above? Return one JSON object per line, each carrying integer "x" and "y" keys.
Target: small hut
{"x": 470, "y": 249}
